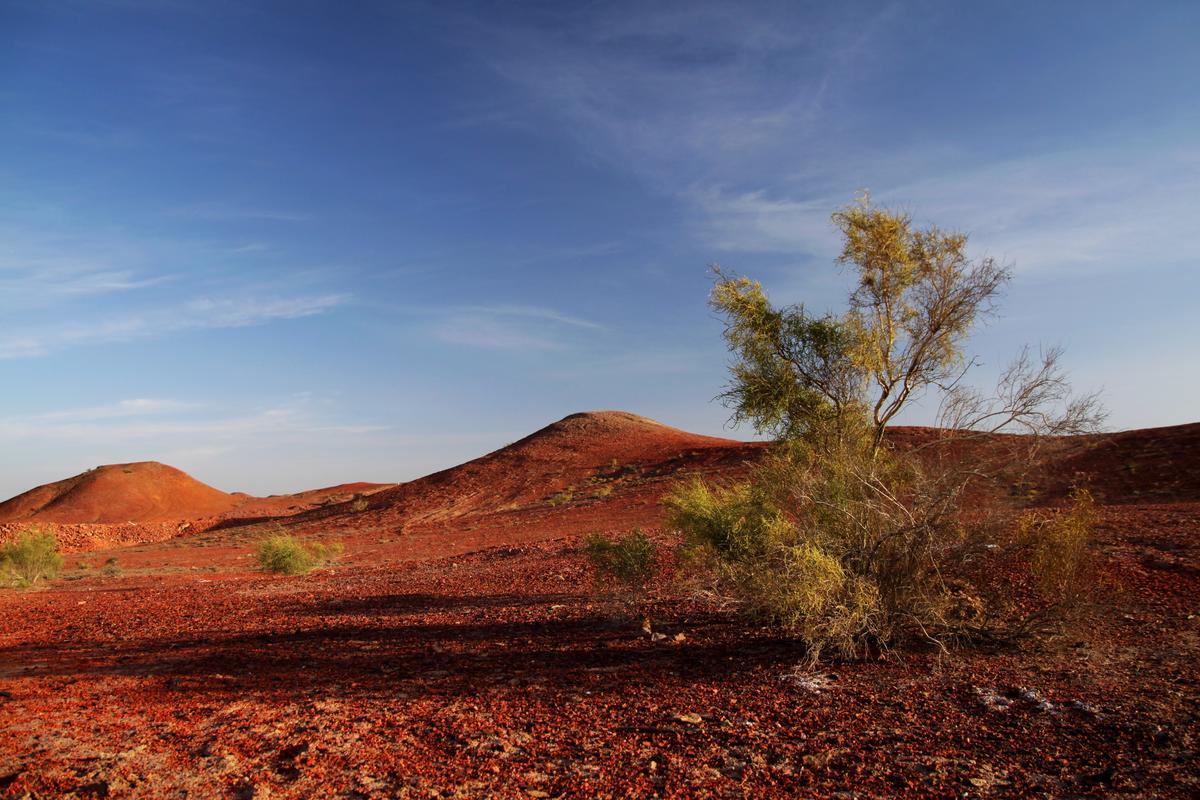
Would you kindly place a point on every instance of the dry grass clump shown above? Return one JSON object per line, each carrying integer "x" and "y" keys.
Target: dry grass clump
{"x": 31, "y": 557}
{"x": 286, "y": 555}
{"x": 1060, "y": 548}
{"x": 622, "y": 566}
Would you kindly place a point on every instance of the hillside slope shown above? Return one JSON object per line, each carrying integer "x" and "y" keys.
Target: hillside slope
{"x": 149, "y": 501}
{"x": 608, "y": 470}
{"x": 144, "y": 491}
{"x": 596, "y": 469}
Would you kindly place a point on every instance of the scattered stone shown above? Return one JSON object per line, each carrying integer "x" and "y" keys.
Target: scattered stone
{"x": 811, "y": 682}
{"x": 992, "y": 700}
{"x": 1038, "y": 700}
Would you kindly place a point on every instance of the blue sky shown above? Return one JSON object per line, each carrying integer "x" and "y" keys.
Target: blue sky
{"x": 293, "y": 244}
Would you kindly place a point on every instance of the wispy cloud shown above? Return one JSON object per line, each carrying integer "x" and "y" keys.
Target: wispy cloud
{"x": 39, "y": 268}
{"x": 198, "y": 314}
{"x": 97, "y": 137}
{"x": 754, "y": 121}
{"x": 681, "y": 92}
{"x": 531, "y": 312}
{"x": 214, "y": 211}
{"x": 169, "y": 420}
{"x": 1050, "y": 213}
{"x": 491, "y": 334}
{"x": 72, "y": 280}
{"x": 759, "y": 222}
{"x": 509, "y": 327}
{"x": 122, "y": 409}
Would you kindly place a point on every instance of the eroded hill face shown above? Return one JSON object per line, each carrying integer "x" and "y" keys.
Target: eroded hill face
{"x": 600, "y": 470}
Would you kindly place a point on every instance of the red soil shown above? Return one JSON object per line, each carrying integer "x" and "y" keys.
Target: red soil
{"x": 456, "y": 651}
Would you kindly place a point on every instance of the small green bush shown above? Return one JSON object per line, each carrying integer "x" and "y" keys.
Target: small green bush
{"x": 111, "y": 568}
{"x": 286, "y": 555}
{"x": 780, "y": 571}
{"x": 31, "y": 557}
{"x": 625, "y": 564}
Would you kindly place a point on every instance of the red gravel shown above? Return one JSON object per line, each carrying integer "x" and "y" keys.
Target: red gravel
{"x": 462, "y": 655}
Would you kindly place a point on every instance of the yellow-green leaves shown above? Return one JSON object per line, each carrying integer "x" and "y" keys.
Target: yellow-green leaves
{"x": 915, "y": 298}
{"x": 918, "y": 295}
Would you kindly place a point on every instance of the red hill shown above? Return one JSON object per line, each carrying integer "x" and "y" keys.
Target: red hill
{"x": 144, "y": 491}
{"x": 595, "y": 470}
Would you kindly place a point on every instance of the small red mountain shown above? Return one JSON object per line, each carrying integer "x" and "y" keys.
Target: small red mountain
{"x": 144, "y": 491}
{"x": 147, "y": 491}
{"x": 576, "y": 465}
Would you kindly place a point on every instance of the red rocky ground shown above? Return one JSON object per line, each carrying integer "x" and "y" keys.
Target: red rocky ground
{"x": 457, "y": 651}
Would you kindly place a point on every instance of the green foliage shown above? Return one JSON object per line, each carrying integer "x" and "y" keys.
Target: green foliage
{"x": 916, "y": 298}
{"x": 734, "y": 523}
{"x": 837, "y": 537}
{"x": 111, "y": 568}
{"x": 918, "y": 295}
{"x": 286, "y": 555}
{"x": 795, "y": 547}
{"x": 794, "y": 371}
{"x": 31, "y": 557}
{"x": 626, "y": 563}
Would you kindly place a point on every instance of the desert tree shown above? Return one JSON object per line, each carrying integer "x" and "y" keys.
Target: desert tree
{"x": 840, "y": 534}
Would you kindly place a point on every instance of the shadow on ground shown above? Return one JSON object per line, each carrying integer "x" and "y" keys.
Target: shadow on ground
{"x": 384, "y": 645}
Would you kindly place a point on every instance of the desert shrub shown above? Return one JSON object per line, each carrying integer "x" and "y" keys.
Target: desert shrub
{"x": 1060, "y": 551}
{"x": 562, "y": 497}
{"x": 111, "y": 568}
{"x": 326, "y": 553}
{"x": 807, "y": 545}
{"x": 622, "y": 566}
{"x": 838, "y": 536}
{"x": 31, "y": 557}
{"x": 286, "y": 555}
{"x": 359, "y": 505}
